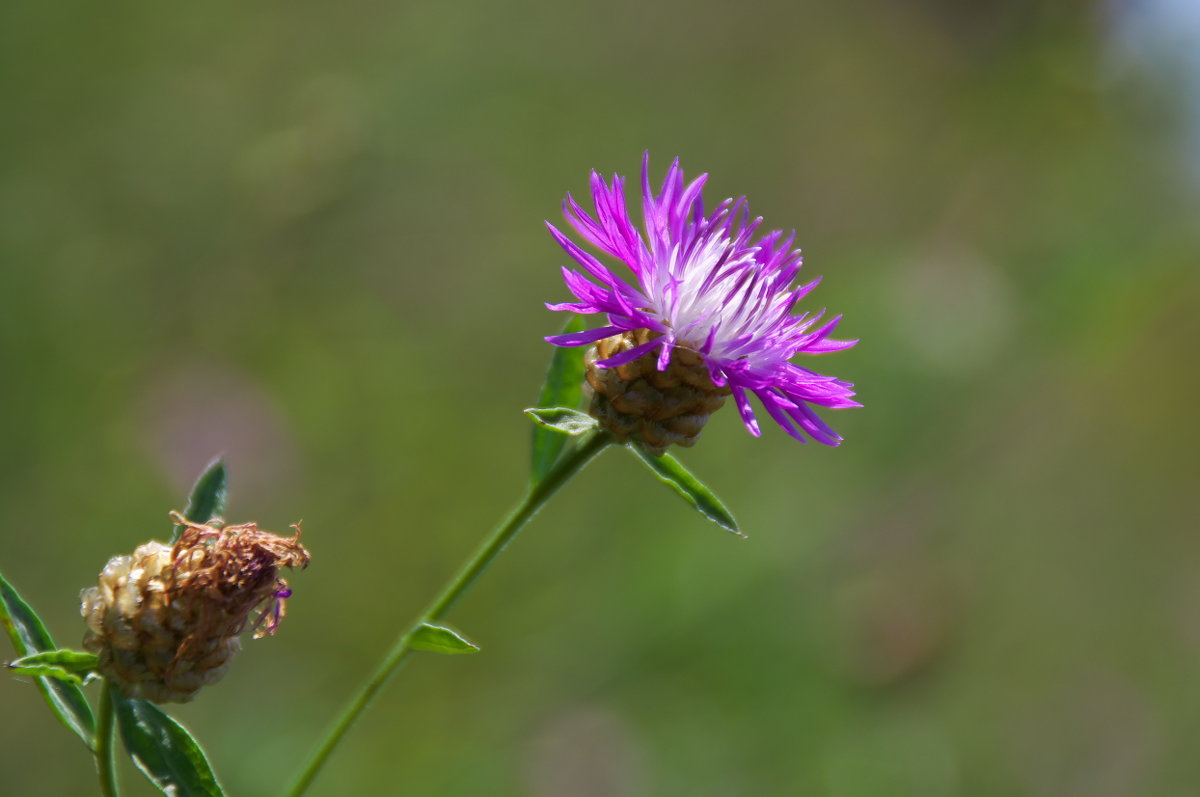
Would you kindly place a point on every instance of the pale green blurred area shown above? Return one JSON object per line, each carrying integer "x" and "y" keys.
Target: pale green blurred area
{"x": 310, "y": 236}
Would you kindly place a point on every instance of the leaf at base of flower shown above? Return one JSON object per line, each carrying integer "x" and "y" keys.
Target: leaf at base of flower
{"x": 671, "y": 472}
{"x": 70, "y": 666}
{"x": 164, "y": 750}
{"x": 563, "y": 388}
{"x": 207, "y": 500}
{"x": 70, "y": 660}
{"x": 441, "y": 639}
{"x": 29, "y": 637}
{"x": 562, "y": 420}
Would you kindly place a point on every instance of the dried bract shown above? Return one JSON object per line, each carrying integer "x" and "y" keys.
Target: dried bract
{"x": 165, "y": 620}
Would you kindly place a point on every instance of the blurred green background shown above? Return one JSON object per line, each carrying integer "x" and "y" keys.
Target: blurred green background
{"x": 309, "y": 235}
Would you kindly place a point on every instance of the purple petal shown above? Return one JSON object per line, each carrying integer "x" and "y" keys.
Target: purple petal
{"x": 664, "y": 356}
{"x": 631, "y": 354}
{"x": 776, "y": 409}
{"x": 811, "y": 423}
{"x": 573, "y": 307}
{"x": 585, "y": 337}
{"x": 591, "y": 264}
{"x": 743, "y": 405}
{"x": 827, "y": 345}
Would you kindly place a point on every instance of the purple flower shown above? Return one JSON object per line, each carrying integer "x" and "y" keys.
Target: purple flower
{"x": 703, "y": 283}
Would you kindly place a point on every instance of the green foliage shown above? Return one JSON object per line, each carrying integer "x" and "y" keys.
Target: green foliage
{"x": 441, "y": 639}
{"x": 29, "y": 637}
{"x": 207, "y": 500}
{"x": 671, "y": 472}
{"x": 562, "y": 420}
{"x": 563, "y": 387}
{"x": 65, "y": 665}
{"x": 164, "y": 750}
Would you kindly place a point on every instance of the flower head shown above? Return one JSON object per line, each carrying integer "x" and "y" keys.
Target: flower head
{"x": 165, "y": 621}
{"x": 705, "y": 284}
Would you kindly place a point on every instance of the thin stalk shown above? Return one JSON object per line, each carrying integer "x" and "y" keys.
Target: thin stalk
{"x": 535, "y": 499}
{"x": 105, "y": 760}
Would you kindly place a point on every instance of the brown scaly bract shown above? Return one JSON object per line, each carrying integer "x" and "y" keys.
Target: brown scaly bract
{"x": 636, "y": 401}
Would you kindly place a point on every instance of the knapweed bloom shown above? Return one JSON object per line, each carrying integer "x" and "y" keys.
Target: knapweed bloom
{"x": 708, "y": 314}
{"x": 166, "y": 620}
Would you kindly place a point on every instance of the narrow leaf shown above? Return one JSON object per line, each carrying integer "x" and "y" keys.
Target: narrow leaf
{"x": 46, "y": 671}
{"x": 29, "y": 636}
{"x": 70, "y": 660}
{"x": 65, "y": 665}
{"x": 670, "y": 471}
{"x": 208, "y": 496}
{"x": 562, "y": 420}
{"x": 164, "y": 750}
{"x": 441, "y": 639}
{"x": 563, "y": 388}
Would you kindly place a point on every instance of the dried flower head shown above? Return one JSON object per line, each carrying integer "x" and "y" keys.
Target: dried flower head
{"x": 706, "y": 295}
{"x": 165, "y": 621}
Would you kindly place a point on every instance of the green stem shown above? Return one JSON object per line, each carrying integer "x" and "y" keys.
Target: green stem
{"x": 538, "y": 495}
{"x": 105, "y": 761}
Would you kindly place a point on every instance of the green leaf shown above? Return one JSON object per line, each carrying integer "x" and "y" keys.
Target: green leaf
{"x": 164, "y": 750}
{"x": 29, "y": 636}
{"x": 65, "y": 665}
{"x": 563, "y": 388}
{"x": 441, "y": 639}
{"x": 208, "y": 496}
{"x": 671, "y": 472}
{"x": 562, "y": 420}
{"x": 46, "y": 671}
{"x": 67, "y": 659}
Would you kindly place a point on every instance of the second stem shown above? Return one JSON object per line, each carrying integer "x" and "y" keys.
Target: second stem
{"x": 563, "y": 470}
